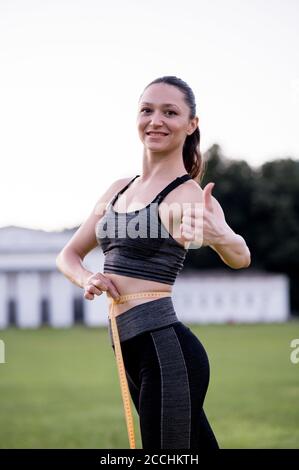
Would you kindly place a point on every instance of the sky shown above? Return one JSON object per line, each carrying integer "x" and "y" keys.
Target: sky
{"x": 71, "y": 73}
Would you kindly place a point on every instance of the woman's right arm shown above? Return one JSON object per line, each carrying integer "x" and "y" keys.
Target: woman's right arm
{"x": 70, "y": 259}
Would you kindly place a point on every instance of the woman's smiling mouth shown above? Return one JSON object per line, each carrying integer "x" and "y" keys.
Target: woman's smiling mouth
{"x": 156, "y": 134}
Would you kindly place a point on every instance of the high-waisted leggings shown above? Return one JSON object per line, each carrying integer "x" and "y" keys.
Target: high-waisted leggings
{"x": 168, "y": 373}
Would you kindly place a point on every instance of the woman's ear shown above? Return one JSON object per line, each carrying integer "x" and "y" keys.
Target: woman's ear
{"x": 193, "y": 125}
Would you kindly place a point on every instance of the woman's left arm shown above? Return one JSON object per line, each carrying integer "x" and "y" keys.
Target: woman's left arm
{"x": 233, "y": 250}
{"x": 206, "y": 225}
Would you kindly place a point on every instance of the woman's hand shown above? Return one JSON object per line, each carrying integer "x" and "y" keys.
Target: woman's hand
{"x": 205, "y": 223}
{"x": 98, "y": 283}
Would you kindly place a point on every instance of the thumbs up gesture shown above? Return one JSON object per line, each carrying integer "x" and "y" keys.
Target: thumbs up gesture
{"x": 205, "y": 223}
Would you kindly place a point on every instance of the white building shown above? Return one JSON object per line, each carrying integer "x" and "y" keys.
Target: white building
{"x": 33, "y": 292}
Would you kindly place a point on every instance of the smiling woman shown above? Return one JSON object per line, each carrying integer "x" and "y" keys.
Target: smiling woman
{"x": 160, "y": 361}
{"x": 174, "y": 112}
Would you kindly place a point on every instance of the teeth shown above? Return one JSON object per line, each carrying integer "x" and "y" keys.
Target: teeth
{"x": 156, "y": 133}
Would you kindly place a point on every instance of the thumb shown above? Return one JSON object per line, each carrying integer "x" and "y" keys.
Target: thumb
{"x": 207, "y": 196}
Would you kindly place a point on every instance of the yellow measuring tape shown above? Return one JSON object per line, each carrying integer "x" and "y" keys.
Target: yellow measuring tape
{"x": 119, "y": 358}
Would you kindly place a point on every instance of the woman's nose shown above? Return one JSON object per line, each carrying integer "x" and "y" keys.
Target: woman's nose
{"x": 156, "y": 118}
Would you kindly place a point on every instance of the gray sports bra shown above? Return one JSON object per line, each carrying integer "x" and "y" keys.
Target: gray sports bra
{"x": 136, "y": 244}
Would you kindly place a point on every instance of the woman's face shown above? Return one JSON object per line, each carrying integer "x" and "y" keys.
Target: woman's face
{"x": 162, "y": 109}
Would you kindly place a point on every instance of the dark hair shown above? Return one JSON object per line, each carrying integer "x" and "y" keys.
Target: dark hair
{"x": 192, "y": 157}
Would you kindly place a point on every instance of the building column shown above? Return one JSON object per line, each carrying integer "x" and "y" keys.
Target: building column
{"x": 28, "y": 299}
{"x": 61, "y": 300}
{"x": 3, "y": 301}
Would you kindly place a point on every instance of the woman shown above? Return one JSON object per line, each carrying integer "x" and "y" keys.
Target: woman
{"x": 166, "y": 365}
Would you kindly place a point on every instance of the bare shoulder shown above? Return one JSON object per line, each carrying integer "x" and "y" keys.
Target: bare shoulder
{"x": 105, "y": 198}
{"x": 190, "y": 191}
{"x": 84, "y": 239}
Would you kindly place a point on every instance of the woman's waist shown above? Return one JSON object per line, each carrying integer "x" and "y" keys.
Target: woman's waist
{"x": 148, "y": 316}
{"x": 128, "y": 286}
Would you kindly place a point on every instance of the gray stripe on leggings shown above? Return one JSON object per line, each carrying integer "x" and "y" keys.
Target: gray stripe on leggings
{"x": 175, "y": 393}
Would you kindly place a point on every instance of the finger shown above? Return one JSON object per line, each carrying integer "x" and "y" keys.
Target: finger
{"x": 113, "y": 291}
{"x": 100, "y": 284}
{"x": 189, "y": 236}
{"x": 88, "y": 296}
{"x": 192, "y": 221}
{"x": 207, "y": 196}
{"x": 187, "y": 219}
{"x": 187, "y": 232}
{"x": 105, "y": 285}
{"x": 186, "y": 228}
{"x": 94, "y": 290}
{"x": 194, "y": 211}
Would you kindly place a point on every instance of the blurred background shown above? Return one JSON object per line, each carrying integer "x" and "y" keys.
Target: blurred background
{"x": 71, "y": 76}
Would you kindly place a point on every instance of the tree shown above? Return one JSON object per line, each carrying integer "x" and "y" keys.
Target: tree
{"x": 262, "y": 205}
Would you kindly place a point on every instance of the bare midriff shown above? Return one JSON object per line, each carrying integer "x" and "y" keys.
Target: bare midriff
{"x": 132, "y": 285}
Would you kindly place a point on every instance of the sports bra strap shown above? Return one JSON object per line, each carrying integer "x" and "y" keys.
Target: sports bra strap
{"x": 162, "y": 194}
{"x": 179, "y": 180}
{"x": 122, "y": 190}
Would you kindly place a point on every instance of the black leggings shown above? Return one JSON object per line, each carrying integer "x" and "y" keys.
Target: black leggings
{"x": 168, "y": 374}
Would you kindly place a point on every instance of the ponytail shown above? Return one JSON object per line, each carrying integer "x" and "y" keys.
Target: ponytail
{"x": 192, "y": 156}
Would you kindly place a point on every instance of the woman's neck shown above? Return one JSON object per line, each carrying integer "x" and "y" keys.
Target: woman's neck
{"x": 161, "y": 167}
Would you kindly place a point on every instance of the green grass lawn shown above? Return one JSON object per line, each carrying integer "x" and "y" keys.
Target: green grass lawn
{"x": 60, "y": 388}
